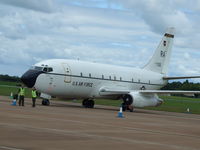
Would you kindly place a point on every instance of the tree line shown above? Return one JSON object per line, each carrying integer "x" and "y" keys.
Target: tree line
{"x": 9, "y": 78}
{"x": 186, "y": 85}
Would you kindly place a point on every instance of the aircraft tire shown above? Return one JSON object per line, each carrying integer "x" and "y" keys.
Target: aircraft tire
{"x": 124, "y": 107}
{"x": 45, "y": 102}
{"x": 90, "y": 103}
{"x": 130, "y": 108}
{"x": 85, "y": 102}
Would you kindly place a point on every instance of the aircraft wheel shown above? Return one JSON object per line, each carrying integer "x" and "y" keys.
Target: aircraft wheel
{"x": 124, "y": 107}
{"x": 91, "y": 104}
{"x": 88, "y": 103}
{"x": 130, "y": 108}
{"x": 45, "y": 102}
{"x": 84, "y": 102}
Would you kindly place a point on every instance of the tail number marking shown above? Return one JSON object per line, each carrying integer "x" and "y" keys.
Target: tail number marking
{"x": 162, "y": 53}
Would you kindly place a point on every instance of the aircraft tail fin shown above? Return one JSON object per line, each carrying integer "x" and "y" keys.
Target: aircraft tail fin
{"x": 160, "y": 60}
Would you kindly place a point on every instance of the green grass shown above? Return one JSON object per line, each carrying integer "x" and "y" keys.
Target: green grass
{"x": 178, "y": 104}
{"x": 7, "y": 87}
{"x": 9, "y": 83}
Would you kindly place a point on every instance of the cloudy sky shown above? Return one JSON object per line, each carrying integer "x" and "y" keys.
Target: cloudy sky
{"x": 119, "y": 32}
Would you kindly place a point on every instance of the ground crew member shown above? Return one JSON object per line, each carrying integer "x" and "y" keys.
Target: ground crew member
{"x": 21, "y": 93}
{"x": 34, "y": 96}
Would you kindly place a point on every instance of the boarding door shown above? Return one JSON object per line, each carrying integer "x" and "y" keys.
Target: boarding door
{"x": 67, "y": 73}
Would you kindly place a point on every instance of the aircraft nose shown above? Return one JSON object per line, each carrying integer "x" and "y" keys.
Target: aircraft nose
{"x": 29, "y": 77}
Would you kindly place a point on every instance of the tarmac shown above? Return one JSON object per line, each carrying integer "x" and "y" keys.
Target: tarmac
{"x": 68, "y": 126}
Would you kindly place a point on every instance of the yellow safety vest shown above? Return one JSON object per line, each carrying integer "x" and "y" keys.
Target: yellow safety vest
{"x": 22, "y": 92}
{"x": 34, "y": 95}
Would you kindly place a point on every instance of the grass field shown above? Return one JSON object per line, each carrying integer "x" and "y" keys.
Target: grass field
{"x": 171, "y": 103}
{"x": 7, "y": 87}
{"x": 178, "y": 104}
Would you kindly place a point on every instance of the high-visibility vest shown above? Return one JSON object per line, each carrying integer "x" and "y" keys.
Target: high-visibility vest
{"x": 22, "y": 92}
{"x": 34, "y": 95}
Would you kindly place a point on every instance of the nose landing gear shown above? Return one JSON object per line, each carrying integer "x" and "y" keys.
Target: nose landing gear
{"x": 45, "y": 102}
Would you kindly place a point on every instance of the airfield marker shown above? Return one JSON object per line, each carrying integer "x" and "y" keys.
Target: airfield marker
{"x": 11, "y": 95}
{"x": 188, "y": 110}
{"x": 14, "y": 102}
{"x": 120, "y": 113}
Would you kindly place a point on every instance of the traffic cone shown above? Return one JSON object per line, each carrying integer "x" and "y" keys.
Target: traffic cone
{"x": 120, "y": 113}
{"x": 14, "y": 102}
{"x": 11, "y": 95}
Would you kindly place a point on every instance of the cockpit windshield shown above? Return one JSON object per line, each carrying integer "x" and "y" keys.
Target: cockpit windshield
{"x": 38, "y": 68}
{"x": 45, "y": 69}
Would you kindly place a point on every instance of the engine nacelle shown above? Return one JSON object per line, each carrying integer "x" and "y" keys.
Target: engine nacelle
{"x": 143, "y": 100}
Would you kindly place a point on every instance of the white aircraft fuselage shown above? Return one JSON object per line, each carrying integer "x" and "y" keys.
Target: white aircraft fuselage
{"x": 80, "y": 79}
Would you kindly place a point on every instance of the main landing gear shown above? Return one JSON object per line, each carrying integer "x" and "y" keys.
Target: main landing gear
{"x": 88, "y": 103}
{"x": 126, "y": 105}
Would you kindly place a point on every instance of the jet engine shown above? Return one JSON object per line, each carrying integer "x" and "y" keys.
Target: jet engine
{"x": 138, "y": 99}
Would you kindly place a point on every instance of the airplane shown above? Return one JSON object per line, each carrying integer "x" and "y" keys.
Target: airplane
{"x": 75, "y": 79}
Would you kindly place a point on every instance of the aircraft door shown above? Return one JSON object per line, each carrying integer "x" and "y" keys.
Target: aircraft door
{"x": 67, "y": 72}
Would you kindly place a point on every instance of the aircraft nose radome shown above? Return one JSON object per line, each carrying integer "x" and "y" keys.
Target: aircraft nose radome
{"x": 29, "y": 77}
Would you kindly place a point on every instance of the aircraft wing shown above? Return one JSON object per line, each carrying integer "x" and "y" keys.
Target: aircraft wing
{"x": 108, "y": 91}
{"x": 176, "y": 78}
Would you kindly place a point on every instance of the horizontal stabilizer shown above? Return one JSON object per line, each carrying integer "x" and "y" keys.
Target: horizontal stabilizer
{"x": 168, "y": 92}
{"x": 177, "y": 78}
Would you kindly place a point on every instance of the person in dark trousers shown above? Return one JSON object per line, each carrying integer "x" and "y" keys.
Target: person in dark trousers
{"x": 21, "y": 93}
{"x": 34, "y": 96}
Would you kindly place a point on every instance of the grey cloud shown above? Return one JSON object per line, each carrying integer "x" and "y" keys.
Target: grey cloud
{"x": 160, "y": 14}
{"x": 38, "y": 5}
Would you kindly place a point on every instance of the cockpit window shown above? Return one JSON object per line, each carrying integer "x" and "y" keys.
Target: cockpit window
{"x": 37, "y": 68}
{"x": 45, "y": 69}
{"x": 48, "y": 69}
